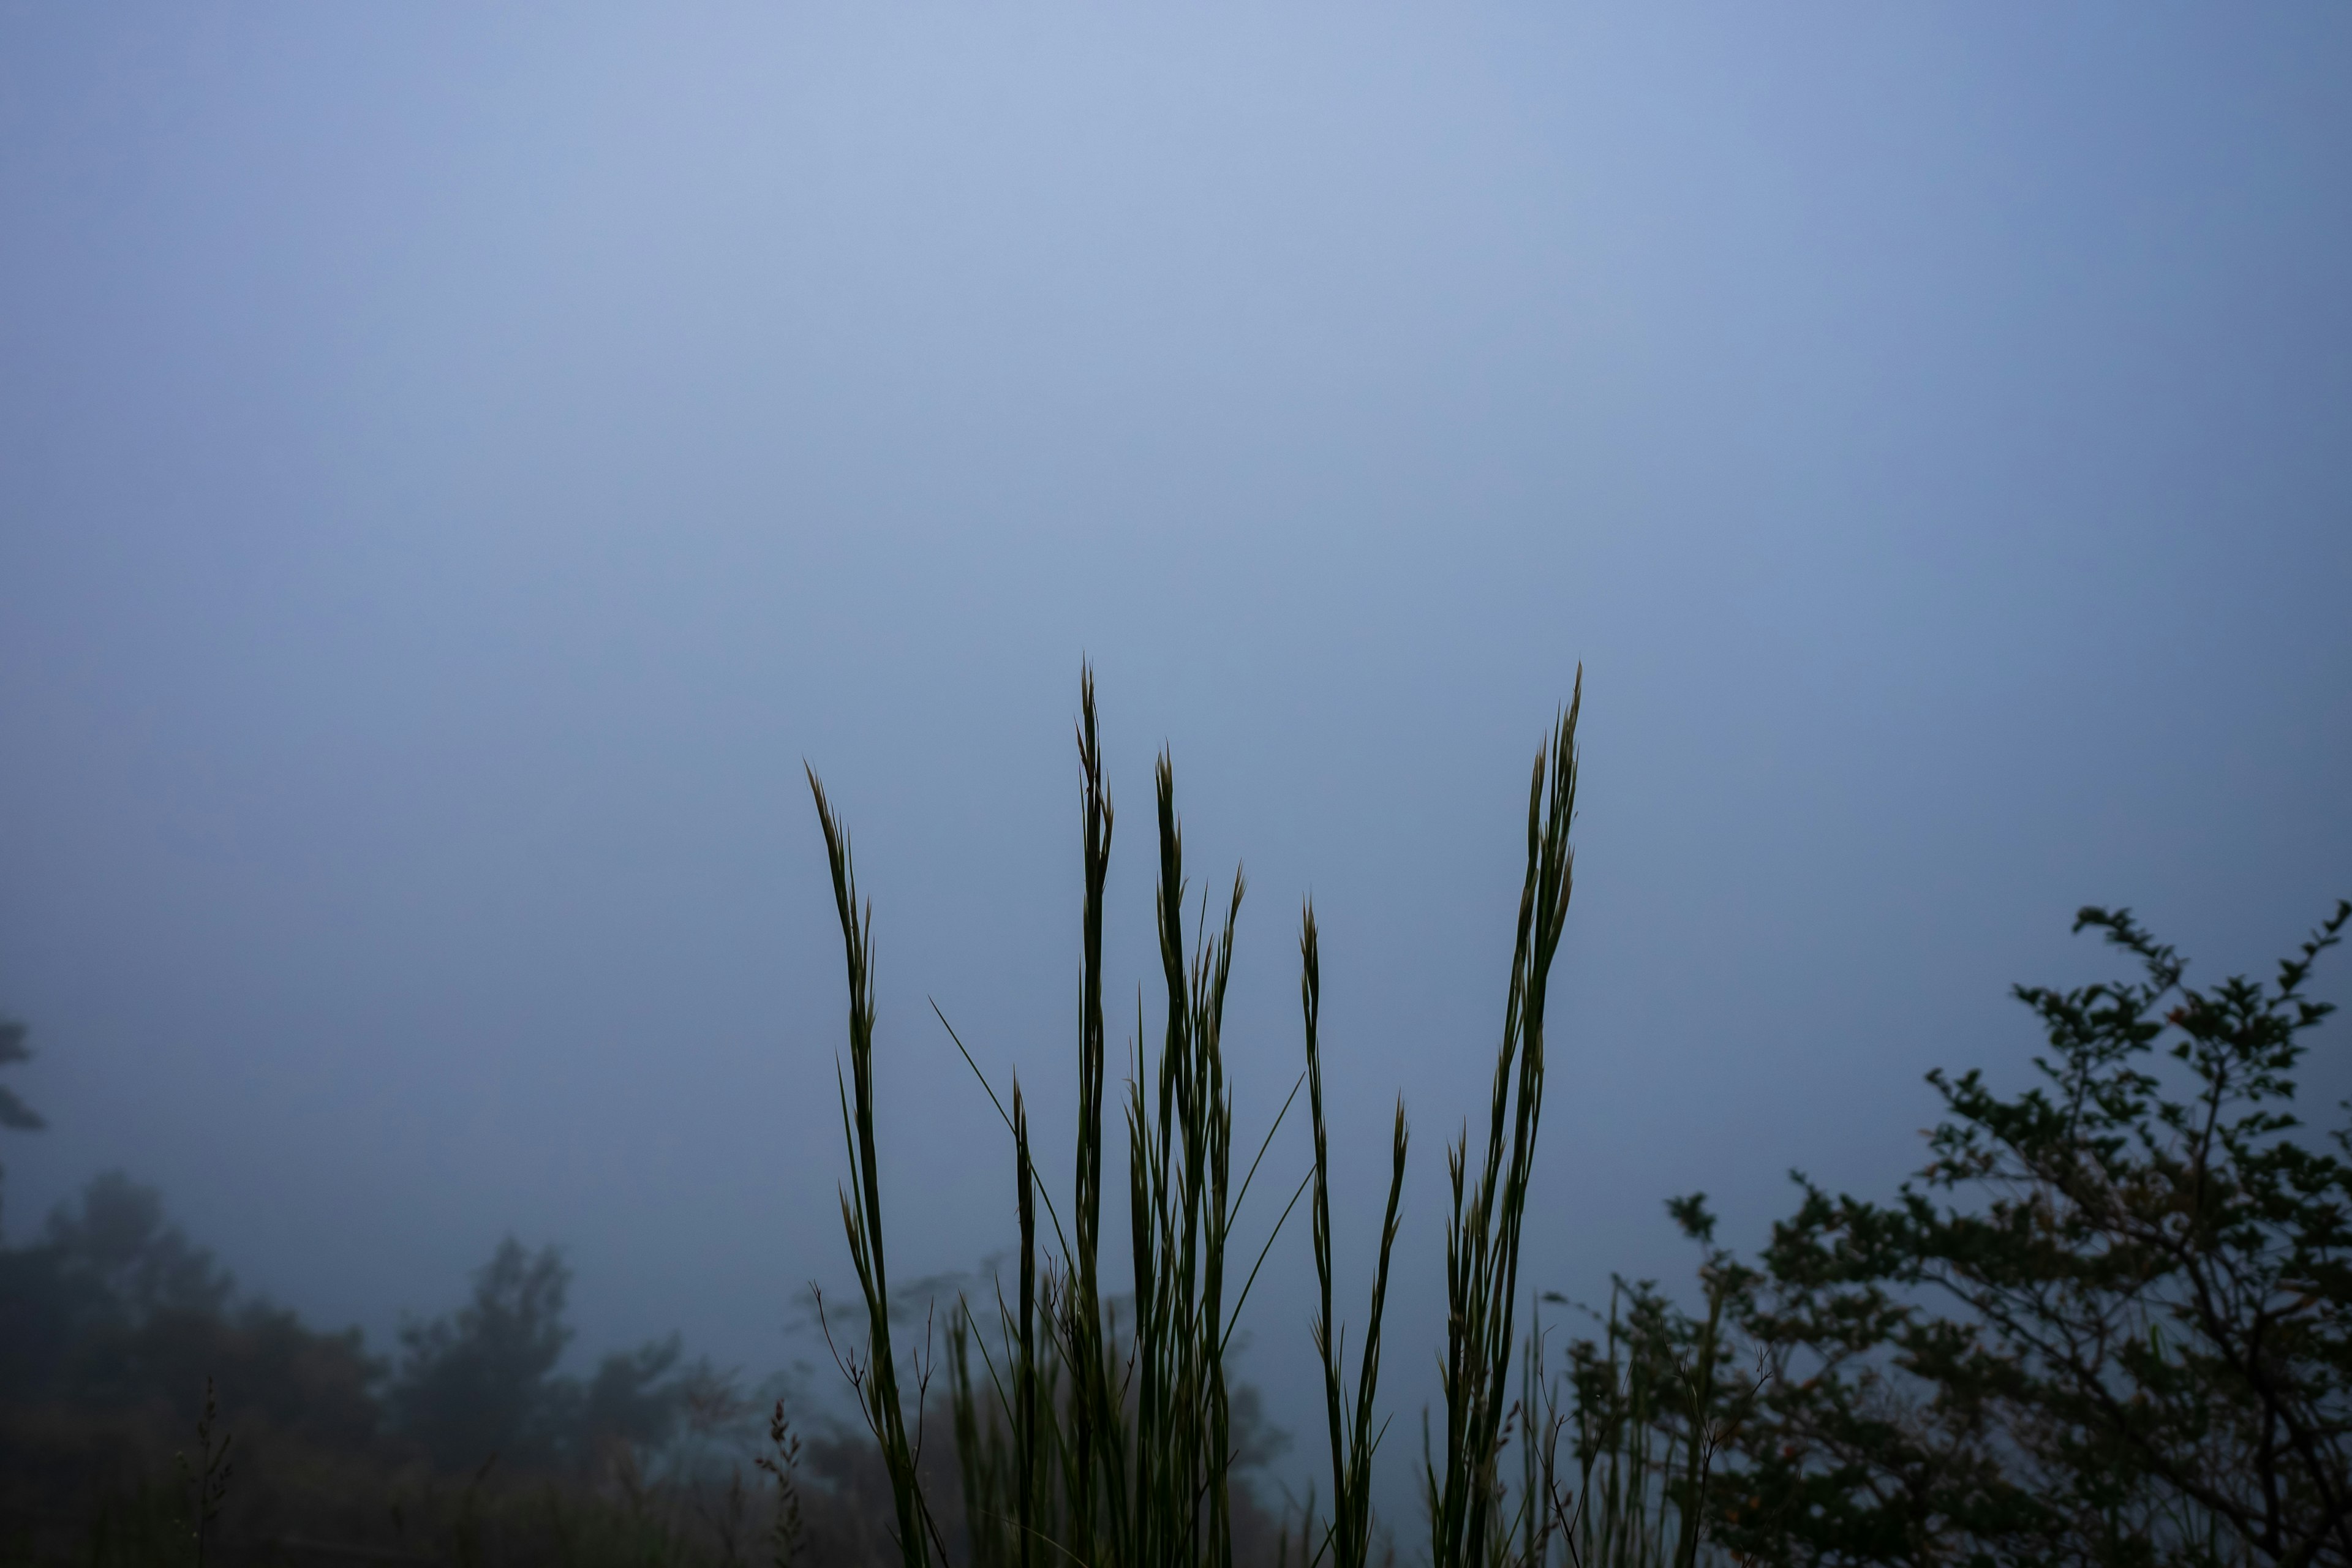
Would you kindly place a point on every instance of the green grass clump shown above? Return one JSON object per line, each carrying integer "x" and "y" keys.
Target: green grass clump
{"x": 1083, "y": 1439}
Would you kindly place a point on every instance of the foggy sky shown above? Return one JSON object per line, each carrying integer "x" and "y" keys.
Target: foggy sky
{"x": 454, "y": 465}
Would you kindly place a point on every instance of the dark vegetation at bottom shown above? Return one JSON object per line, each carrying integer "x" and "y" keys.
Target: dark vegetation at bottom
{"x": 151, "y": 1413}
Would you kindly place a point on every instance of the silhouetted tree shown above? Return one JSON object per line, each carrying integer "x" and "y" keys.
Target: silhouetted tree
{"x": 481, "y": 1382}
{"x": 15, "y": 1113}
{"x": 118, "y": 1242}
{"x": 2110, "y": 1321}
{"x": 633, "y": 1399}
{"x": 103, "y": 1269}
{"x": 115, "y": 1308}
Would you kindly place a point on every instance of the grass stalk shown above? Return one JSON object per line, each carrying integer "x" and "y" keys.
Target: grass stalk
{"x": 1092, "y": 1405}
{"x": 1352, "y": 1440}
{"x": 1482, "y": 1239}
{"x": 1024, "y": 1425}
{"x": 875, "y": 1376}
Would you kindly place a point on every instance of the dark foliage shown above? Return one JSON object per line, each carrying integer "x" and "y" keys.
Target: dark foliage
{"x": 13, "y": 1112}
{"x": 480, "y": 1383}
{"x": 2109, "y": 1321}
{"x": 116, "y": 1309}
{"x": 145, "y": 1404}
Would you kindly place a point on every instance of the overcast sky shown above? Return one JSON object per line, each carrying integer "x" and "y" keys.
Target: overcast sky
{"x": 456, "y": 463}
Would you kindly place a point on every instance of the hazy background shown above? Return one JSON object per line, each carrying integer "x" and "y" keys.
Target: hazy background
{"x": 454, "y": 465}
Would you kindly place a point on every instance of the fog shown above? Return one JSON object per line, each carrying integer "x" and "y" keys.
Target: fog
{"x": 456, "y": 466}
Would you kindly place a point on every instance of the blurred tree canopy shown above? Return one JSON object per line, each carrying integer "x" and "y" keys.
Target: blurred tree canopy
{"x": 478, "y": 1382}
{"x": 481, "y": 1382}
{"x": 115, "y": 1308}
{"x": 15, "y": 1113}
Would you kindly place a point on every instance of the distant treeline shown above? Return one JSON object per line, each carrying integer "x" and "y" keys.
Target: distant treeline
{"x": 120, "y": 1338}
{"x": 116, "y": 1330}
{"x": 113, "y": 1307}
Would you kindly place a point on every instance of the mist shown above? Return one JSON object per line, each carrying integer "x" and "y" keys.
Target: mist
{"x": 457, "y": 469}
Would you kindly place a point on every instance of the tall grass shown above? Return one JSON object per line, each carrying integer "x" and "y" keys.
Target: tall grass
{"x": 1353, "y": 1436}
{"x": 1083, "y": 1439}
{"x": 1481, "y": 1236}
{"x": 874, "y": 1374}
